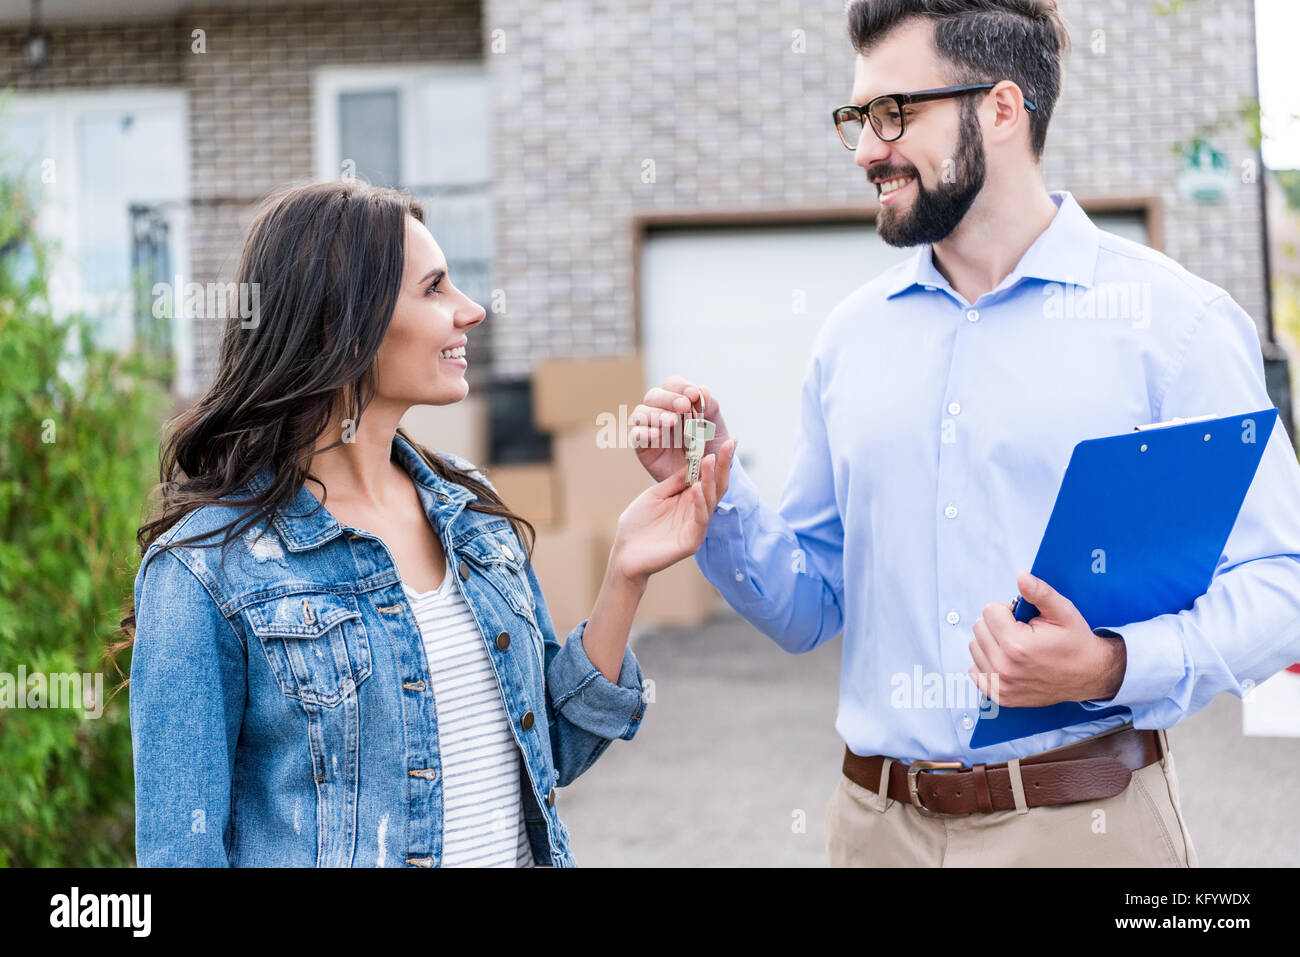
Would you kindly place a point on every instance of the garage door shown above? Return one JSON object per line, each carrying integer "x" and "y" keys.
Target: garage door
{"x": 737, "y": 308}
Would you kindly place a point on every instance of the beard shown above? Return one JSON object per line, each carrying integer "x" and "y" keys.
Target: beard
{"x": 935, "y": 213}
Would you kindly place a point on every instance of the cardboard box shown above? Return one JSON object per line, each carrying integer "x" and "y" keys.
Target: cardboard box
{"x": 530, "y": 490}
{"x": 677, "y": 596}
{"x": 595, "y": 484}
{"x": 461, "y": 428}
{"x": 570, "y": 565}
{"x": 569, "y": 392}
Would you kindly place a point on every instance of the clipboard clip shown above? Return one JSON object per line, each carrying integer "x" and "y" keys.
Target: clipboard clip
{"x": 1172, "y": 422}
{"x": 1020, "y": 607}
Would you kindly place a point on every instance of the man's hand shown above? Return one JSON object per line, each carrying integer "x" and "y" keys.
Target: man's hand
{"x": 1053, "y": 658}
{"x": 656, "y": 431}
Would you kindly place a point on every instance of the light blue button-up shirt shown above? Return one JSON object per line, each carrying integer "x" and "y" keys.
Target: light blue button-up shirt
{"x": 934, "y": 436}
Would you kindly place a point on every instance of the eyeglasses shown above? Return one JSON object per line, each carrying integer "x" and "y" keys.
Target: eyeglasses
{"x": 886, "y": 112}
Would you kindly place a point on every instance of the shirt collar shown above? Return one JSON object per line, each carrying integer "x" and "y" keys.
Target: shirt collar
{"x": 305, "y": 524}
{"x": 1066, "y": 251}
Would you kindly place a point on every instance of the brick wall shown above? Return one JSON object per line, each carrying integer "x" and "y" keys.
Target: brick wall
{"x": 95, "y": 56}
{"x": 610, "y": 84}
{"x": 1164, "y": 78}
{"x": 589, "y": 93}
{"x": 250, "y": 95}
{"x": 251, "y": 104}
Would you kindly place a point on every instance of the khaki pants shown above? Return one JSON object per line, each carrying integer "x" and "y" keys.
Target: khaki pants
{"x": 1142, "y": 826}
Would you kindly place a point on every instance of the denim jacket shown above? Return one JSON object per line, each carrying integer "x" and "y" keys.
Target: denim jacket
{"x": 281, "y": 707}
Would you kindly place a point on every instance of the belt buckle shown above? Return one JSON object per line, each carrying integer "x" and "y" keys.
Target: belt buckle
{"x": 916, "y": 767}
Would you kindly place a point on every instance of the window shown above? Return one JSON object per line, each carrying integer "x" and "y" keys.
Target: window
{"x": 425, "y": 128}
{"x": 111, "y": 173}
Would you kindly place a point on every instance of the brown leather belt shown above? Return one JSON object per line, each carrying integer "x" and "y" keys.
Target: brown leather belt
{"x": 1086, "y": 770}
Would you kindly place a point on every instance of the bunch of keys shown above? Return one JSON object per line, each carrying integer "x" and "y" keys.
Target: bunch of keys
{"x": 698, "y": 431}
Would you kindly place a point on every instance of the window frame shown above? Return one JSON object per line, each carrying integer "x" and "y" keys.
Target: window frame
{"x": 328, "y": 82}
{"x": 62, "y": 111}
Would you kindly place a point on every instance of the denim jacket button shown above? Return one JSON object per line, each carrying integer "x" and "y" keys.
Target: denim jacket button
{"x": 527, "y": 720}
{"x": 503, "y": 641}
{"x": 427, "y": 773}
{"x": 464, "y": 569}
{"x": 550, "y": 798}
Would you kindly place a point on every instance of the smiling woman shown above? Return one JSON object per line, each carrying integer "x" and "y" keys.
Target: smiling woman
{"x": 369, "y": 675}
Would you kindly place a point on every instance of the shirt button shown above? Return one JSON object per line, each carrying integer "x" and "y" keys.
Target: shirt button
{"x": 464, "y": 569}
{"x": 954, "y": 408}
{"x": 950, "y": 511}
{"x": 953, "y": 618}
{"x": 503, "y": 641}
{"x": 739, "y": 576}
{"x": 973, "y": 315}
{"x": 526, "y": 721}
{"x": 966, "y": 722}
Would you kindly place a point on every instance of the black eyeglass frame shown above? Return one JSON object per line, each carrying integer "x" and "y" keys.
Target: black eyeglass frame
{"x": 901, "y": 100}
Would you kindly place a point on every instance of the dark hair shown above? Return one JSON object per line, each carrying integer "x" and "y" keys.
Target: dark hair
{"x": 986, "y": 41}
{"x": 327, "y": 259}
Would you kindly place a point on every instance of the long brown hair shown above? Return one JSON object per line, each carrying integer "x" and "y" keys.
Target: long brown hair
{"x": 327, "y": 260}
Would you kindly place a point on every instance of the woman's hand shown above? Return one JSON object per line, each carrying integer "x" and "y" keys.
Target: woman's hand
{"x": 663, "y": 525}
{"x": 667, "y": 522}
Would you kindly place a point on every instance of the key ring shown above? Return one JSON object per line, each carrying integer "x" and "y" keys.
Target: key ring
{"x": 691, "y": 413}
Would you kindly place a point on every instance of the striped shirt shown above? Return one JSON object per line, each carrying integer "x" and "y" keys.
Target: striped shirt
{"x": 482, "y": 812}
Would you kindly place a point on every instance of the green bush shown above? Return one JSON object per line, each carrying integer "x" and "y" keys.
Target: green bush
{"x": 79, "y": 429}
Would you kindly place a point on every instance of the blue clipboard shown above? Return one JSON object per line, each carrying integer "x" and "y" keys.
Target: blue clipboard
{"x": 1137, "y": 530}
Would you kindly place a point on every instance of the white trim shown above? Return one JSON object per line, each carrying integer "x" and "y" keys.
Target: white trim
{"x": 328, "y": 82}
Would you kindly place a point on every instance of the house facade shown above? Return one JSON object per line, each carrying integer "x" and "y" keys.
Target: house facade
{"x": 606, "y": 176}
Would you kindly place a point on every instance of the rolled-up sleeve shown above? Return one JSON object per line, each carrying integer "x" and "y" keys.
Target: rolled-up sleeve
{"x": 590, "y": 700}
{"x": 586, "y": 710}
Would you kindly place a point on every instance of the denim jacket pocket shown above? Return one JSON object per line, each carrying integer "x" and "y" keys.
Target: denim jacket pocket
{"x": 315, "y": 642}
